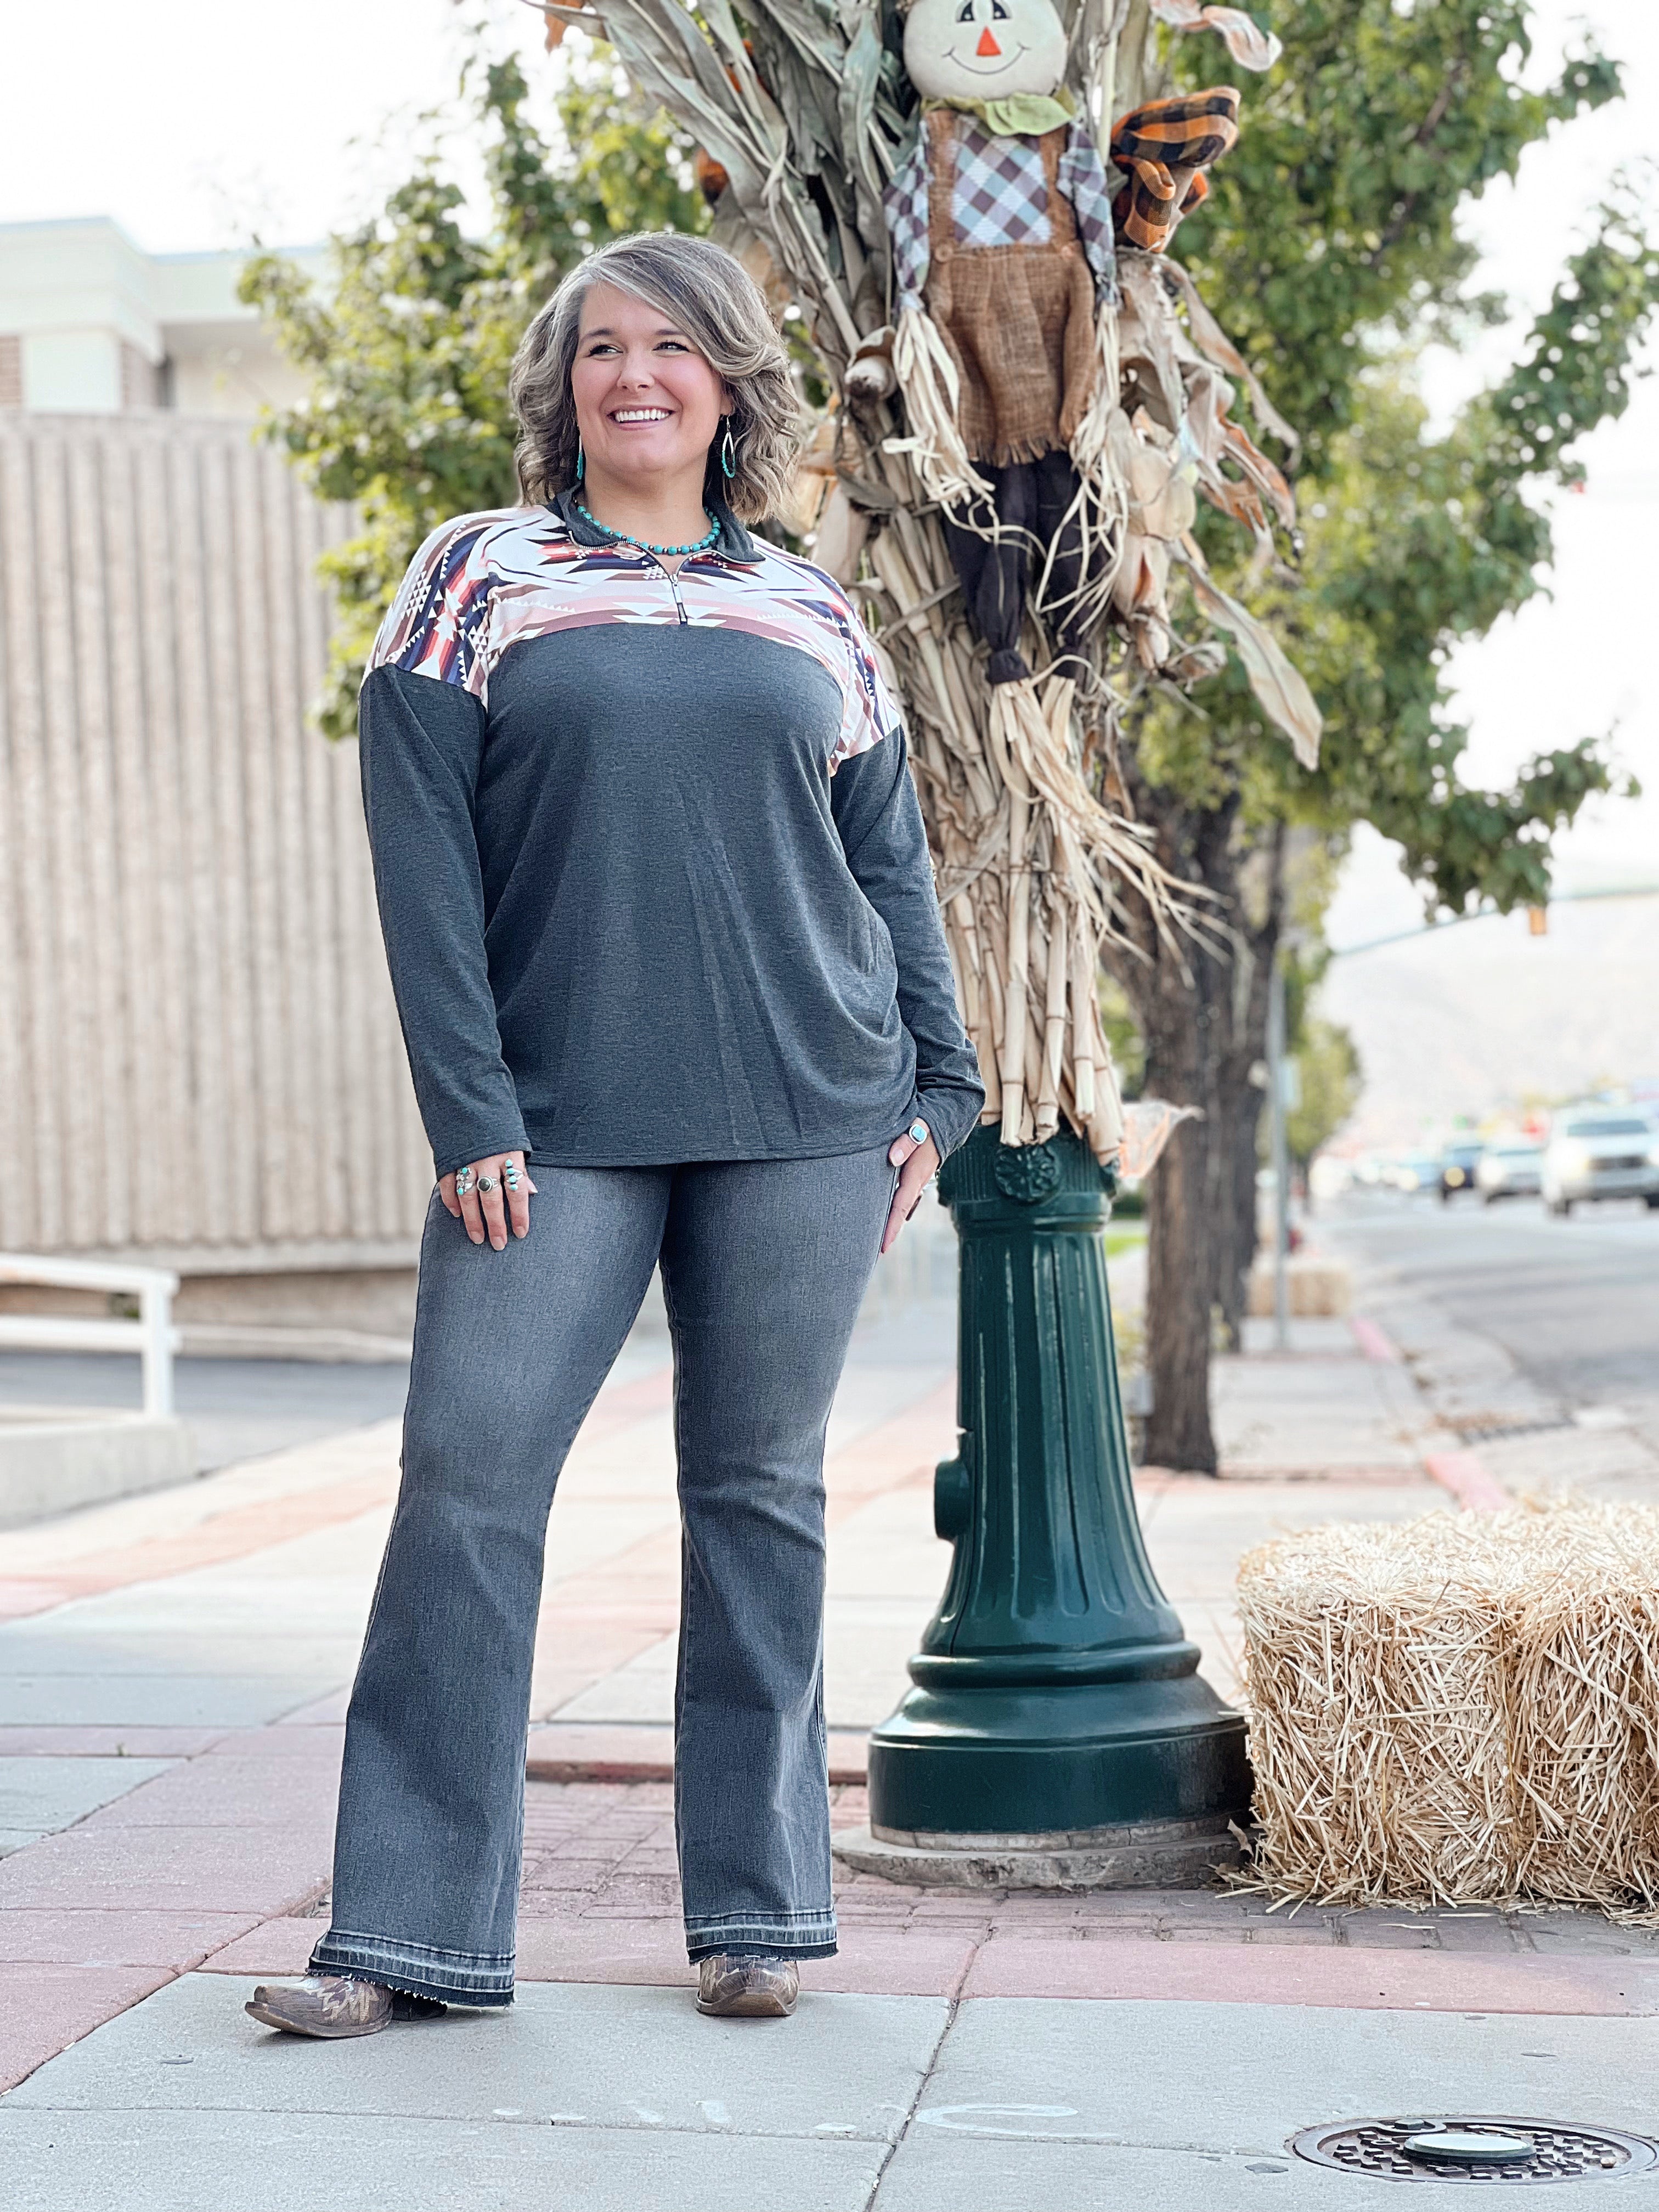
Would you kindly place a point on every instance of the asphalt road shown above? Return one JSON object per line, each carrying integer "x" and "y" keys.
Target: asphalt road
{"x": 1574, "y": 1302}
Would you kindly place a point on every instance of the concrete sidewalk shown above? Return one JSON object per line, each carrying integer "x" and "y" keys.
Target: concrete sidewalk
{"x": 167, "y": 1775}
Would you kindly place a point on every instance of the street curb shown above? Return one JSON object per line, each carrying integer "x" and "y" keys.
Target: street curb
{"x": 1374, "y": 1340}
{"x": 1474, "y": 1486}
{"x": 644, "y": 1770}
{"x": 621, "y": 1752}
{"x": 1470, "y": 1481}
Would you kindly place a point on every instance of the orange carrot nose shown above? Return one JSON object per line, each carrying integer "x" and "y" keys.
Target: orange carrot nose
{"x": 986, "y": 44}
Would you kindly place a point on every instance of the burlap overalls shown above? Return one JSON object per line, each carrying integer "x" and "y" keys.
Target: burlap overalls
{"x": 1019, "y": 319}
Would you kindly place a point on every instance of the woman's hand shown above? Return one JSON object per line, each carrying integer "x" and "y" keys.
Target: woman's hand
{"x": 490, "y": 1192}
{"x": 917, "y": 1162}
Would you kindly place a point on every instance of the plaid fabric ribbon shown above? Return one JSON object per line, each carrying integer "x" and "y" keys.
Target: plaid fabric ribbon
{"x": 1164, "y": 149}
{"x": 905, "y": 204}
{"x": 1000, "y": 198}
{"x": 1082, "y": 180}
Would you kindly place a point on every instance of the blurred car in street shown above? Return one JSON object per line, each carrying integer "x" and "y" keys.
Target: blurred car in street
{"x": 1600, "y": 1152}
{"x": 1510, "y": 1170}
{"x": 1413, "y": 1171}
{"x": 1328, "y": 1178}
{"x": 1457, "y": 1166}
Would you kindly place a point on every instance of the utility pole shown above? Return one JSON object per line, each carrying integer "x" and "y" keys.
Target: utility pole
{"x": 1278, "y": 1074}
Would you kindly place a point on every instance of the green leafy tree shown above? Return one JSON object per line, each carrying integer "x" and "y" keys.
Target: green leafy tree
{"x": 406, "y": 348}
{"x": 1329, "y": 249}
{"x": 1329, "y": 1083}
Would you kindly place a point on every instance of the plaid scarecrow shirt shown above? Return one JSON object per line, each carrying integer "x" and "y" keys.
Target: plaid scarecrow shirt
{"x": 1001, "y": 198}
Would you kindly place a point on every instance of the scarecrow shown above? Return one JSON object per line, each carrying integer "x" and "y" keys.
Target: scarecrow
{"x": 1003, "y": 254}
{"x": 1005, "y": 264}
{"x": 795, "y": 108}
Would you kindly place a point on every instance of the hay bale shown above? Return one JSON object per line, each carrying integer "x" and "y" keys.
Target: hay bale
{"x": 1318, "y": 1289}
{"x": 1461, "y": 1709}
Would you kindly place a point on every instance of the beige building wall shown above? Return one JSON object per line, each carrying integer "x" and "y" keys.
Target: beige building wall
{"x": 89, "y": 323}
{"x": 199, "y": 1057}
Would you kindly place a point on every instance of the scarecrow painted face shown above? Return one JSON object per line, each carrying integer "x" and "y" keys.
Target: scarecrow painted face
{"x": 983, "y": 49}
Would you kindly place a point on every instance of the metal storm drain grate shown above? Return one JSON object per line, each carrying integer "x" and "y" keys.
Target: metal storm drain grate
{"x": 1466, "y": 2148}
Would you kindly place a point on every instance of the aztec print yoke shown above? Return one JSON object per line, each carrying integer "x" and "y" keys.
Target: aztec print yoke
{"x": 651, "y": 869}
{"x": 484, "y": 584}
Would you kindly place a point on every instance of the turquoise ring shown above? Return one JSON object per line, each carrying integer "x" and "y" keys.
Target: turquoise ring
{"x": 464, "y": 1181}
{"x": 510, "y": 1175}
{"x": 919, "y": 1133}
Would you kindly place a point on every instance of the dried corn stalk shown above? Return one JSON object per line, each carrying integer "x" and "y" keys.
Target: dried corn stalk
{"x": 802, "y": 109}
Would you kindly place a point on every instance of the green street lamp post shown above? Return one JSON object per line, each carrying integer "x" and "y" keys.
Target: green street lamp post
{"x": 1058, "y": 1732}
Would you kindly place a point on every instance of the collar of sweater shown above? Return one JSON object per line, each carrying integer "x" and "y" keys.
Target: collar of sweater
{"x": 733, "y": 543}
{"x": 1022, "y": 115}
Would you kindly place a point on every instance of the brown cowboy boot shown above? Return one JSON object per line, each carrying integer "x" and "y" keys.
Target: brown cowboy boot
{"x": 747, "y": 1988}
{"x": 323, "y": 2005}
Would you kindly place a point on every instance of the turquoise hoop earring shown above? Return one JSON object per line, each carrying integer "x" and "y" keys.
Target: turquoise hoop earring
{"x": 728, "y": 455}
{"x": 581, "y": 461}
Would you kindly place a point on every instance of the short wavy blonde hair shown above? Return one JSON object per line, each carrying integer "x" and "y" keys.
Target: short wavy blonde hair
{"x": 712, "y": 298}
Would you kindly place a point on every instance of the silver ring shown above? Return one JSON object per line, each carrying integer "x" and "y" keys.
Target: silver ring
{"x": 511, "y": 1177}
{"x": 464, "y": 1181}
{"x": 918, "y": 1131}
{"x": 486, "y": 1182}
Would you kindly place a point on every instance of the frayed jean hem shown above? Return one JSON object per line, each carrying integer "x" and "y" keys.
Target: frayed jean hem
{"x": 454, "y": 1978}
{"x": 793, "y": 1936}
{"x": 753, "y": 1947}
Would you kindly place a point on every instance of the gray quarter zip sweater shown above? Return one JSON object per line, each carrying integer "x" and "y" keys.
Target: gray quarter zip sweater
{"x": 651, "y": 869}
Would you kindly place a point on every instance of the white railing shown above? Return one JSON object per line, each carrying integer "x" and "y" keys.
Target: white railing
{"x": 152, "y": 1336}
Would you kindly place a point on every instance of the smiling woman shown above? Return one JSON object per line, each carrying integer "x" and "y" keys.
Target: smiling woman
{"x": 647, "y": 407}
{"x": 659, "y": 324}
{"x": 660, "y": 919}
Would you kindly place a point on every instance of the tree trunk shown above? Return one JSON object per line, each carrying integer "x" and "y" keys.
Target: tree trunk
{"x": 1236, "y": 1161}
{"x": 1180, "y": 994}
{"x": 1202, "y": 1009}
{"x": 1180, "y": 1261}
{"x": 1239, "y": 1088}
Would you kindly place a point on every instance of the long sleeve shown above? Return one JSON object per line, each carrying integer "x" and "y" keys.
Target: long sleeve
{"x": 421, "y": 741}
{"x": 1082, "y": 179}
{"x": 874, "y": 804}
{"x": 905, "y": 201}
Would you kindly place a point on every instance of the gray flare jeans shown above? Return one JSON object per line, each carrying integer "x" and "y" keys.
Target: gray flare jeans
{"x": 764, "y": 1263}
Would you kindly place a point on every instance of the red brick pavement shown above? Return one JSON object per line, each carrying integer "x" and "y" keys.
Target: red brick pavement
{"x": 600, "y": 1902}
{"x": 222, "y": 1865}
{"x": 242, "y": 1530}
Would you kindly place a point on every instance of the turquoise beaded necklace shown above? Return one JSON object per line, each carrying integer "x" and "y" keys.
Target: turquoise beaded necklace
{"x": 626, "y": 537}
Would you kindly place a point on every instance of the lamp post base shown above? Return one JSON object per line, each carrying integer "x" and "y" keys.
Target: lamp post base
{"x": 1154, "y": 1747}
{"x": 1057, "y": 1707}
{"x": 1148, "y": 1855}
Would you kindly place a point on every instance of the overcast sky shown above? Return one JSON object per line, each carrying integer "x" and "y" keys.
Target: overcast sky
{"x": 195, "y": 122}
{"x": 203, "y": 123}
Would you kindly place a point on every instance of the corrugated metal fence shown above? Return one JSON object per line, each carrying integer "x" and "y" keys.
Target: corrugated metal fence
{"x": 199, "y": 1057}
